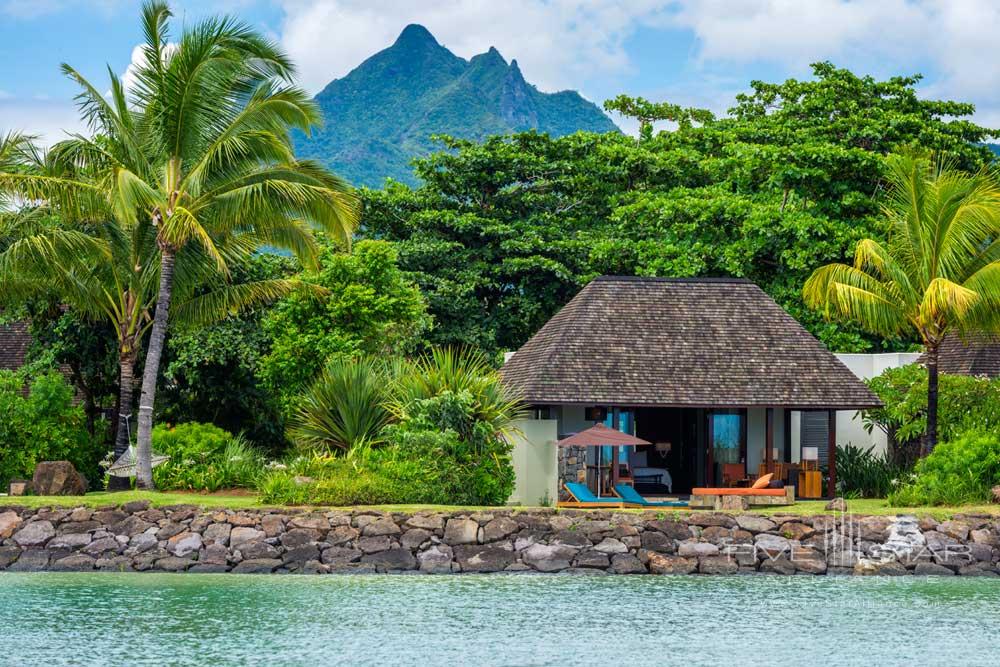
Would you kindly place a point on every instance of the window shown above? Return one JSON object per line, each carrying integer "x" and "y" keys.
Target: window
{"x": 727, "y": 437}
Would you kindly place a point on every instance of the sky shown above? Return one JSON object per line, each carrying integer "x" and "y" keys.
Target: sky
{"x": 689, "y": 52}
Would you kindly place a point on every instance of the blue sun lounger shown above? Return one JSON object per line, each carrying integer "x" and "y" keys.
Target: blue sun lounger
{"x": 632, "y": 497}
{"x": 583, "y": 497}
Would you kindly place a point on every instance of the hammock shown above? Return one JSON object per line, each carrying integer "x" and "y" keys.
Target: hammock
{"x": 126, "y": 464}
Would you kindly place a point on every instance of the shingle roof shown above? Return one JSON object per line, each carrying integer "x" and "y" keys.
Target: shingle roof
{"x": 680, "y": 342}
{"x": 972, "y": 355}
{"x": 14, "y": 342}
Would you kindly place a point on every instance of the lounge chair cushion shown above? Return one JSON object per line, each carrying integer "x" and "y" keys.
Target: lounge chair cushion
{"x": 763, "y": 481}
{"x": 737, "y": 492}
{"x": 585, "y": 495}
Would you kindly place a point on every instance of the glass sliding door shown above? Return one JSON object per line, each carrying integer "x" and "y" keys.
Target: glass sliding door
{"x": 727, "y": 431}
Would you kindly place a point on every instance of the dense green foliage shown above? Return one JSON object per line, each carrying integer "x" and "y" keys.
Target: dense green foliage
{"x": 385, "y": 111}
{"x": 502, "y": 234}
{"x": 203, "y": 457}
{"x": 958, "y": 471}
{"x": 861, "y": 473}
{"x": 966, "y": 404}
{"x": 42, "y": 425}
{"x": 369, "y": 307}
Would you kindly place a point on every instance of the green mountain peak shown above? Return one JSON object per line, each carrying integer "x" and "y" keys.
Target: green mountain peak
{"x": 382, "y": 114}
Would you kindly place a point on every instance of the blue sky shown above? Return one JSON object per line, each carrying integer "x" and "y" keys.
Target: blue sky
{"x": 698, "y": 53}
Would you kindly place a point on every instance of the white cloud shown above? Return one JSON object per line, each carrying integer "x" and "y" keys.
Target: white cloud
{"x": 50, "y": 121}
{"x": 558, "y": 44}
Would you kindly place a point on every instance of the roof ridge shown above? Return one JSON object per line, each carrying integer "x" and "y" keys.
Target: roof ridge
{"x": 680, "y": 279}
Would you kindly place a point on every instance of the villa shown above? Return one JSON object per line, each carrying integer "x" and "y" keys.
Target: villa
{"x": 711, "y": 371}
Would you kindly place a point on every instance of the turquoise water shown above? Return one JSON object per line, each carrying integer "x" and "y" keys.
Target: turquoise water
{"x": 161, "y": 619}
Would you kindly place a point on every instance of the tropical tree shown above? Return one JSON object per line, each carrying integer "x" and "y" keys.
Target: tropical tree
{"x": 198, "y": 151}
{"x": 938, "y": 272}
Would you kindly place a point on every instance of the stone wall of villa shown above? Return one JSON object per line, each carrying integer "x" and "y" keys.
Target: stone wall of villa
{"x": 572, "y": 466}
{"x": 135, "y": 536}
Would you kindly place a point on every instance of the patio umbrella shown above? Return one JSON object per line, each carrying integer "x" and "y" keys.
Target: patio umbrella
{"x": 600, "y": 435}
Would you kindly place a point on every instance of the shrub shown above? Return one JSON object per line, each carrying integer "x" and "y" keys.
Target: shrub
{"x": 956, "y": 472}
{"x": 203, "y": 457}
{"x": 861, "y": 473}
{"x": 43, "y": 425}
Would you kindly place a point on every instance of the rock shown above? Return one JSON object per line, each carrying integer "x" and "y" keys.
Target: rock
{"x": 733, "y": 503}
{"x": 78, "y": 527}
{"x": 180, "y": 513}
{"x": 414, "y": 537}
{"x": 391, "y": 559}
{"x": 8, "y": 555}
{"x": 136, "y": 506}
{"x": 432, "y": 522}
{"x": 675, "y": 530}
{"x": 794, "y": 530}
{"x": 626, "y": 564}
{"x": 257, "y": 566}
{"x": 296, "y": 537}
{"x": 19, "y": 487}
{"x": 35, "y": 534}
{"x": 656, "y": 541}
{"x": 755, "y": 524}
{"x": 695, "y": 549}
{"x": 101, "y": 546}
{"x": 771, "y": 544}
{"x": 436, "y": 560}
{"x": 272, "y": 524}
{"x": 74, "y": 563}
{"x": 717, "y": 565}
{"x": 932, "y": 569}
{"x": 315, "y": 567}
{"x": 977, "y": 570}
{"x": 239, "y": 520}
{"x": 243, "y": 534}
{"x": 836, "y": 505}
{"x": 548, "y": 558}
{"x": 717, "y": 535}
{"x": 610, "y": 545}
{"x": 873, "y": 528}
{"x": 214, "y": 554}
{"x": 114, "y": 564}
{"x": 258, "y": 549}
{"x": 956, "y": 529}
{"x": 208, "y": 568}
{"x": 80, "y": 514}
{"x": 218, "y": 533}
{"x": 778, "y": 565}
{"x": 809, "y": 561}
{"x": 712, "y": 519}
{"x": 142, "y": 542}
{"x": 995, "y": 492}
{"x": 183, "y": 544}
{"x": 591, "y": 558}
{"x": 499, "y": 529}
{"x": 842, "y": 558}
{"x": 313, "y": 521}
{"x": 339, "y": 556}
{"x": 129, "y": 526}
{"x": 985, "y": 536}
{"x": 888, "y": 568}
{"x": 572, "y": 538}
{"x": 483, "y": 558}
{"x": 663, "y": 564}
{"x": 299, "y": 555}
{"x": 342, "y": 535}
{"x": 169, "y": 530}
{"x": 383, "y": 526}
{"x": 371, "y": 545}
{"x": 30, "y": 560}
{"x": 9, "y": 523}
{"x": 57, "y": 478}
{"x": 461, "y": 531}
{"x": 70, "y": 541}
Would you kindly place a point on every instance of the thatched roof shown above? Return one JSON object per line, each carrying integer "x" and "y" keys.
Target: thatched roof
{"x": 680, "y": 342}
{"x": 14, "y": 342}
{"x": 969, "y": 355}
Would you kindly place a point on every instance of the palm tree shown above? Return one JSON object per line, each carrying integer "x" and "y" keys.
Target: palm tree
{"x": 200, "y": 150}
{"x": 104, "y": 271}
{"x": 937, "y": 273}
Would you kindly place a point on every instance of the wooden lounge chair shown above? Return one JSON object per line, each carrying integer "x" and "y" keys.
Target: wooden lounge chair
{"x": 758, "y": 494}
{"x": 633, "y": 497}
{"x": 583, "y": 497}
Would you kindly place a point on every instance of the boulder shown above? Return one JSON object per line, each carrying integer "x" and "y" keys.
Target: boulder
{"x": 383, "y": 526}
{"x": 272, "y": 524}
{"x": 771, "y": 544}
{"x": 461, "y": 531}
{"x": 70, "y": 541}
{"x": 933, "y": 569}
{"x": 717, "y": 565}
{"x": 610, "y": 545}
{"x": 626, "y": 564}
{"x": 694, "y": 549}
{"x": 339, "y": 556}
{"x": 170, "y": 529}
{"x": 414, "y": 537}
{"x": 30, "y": 560}
{"x": 299, "y": 555}
{"x": 778, "y": 565}
{"x": 214, "y": 554}
{"x": 391, "y": 559}
{"x": 995, "y": 492}
{"x": 836, "y": 505}
{"x": 342, "y": 535}
{"x": 675, "y": 530}
{"x": 549, "y": 558}
{"x": 296, "y": 537}
{"x": 733, "y": 503}
{"x": 35, "y": 534}
{"x": 9, "y": 523}
{"x": 499, "y": 529}
{"x": 258, "y": 549}
{"x": 371, "y": 545}
{"x": 313, "y": 521}
{"x": 57, "y": 478}
{"x": 591, "y": 558}
{"x": 436, "y": 560}
{"x": 73, "y": 563}
{"x": 666, "y": 564}
{"x": 101, "y": 546}
{"x": 712, "y": 519}
{"x": 483, "y": 558}
{"x": 136, "y": 506}
{"x": 8, "y": 555}
{"x": 183, "y": 544}
{"x": 243, "y": 534}
{"x": 656, "y": 541}
{"x": 431, "y": 522}
{"x": 257, "y": 566}
{"x": 140, "y": 543}
{"x": 218, "y": 533}
{"x": 795, "y": 530}
{"x": 956, "y": 529}
{"x": 129, "y": 526}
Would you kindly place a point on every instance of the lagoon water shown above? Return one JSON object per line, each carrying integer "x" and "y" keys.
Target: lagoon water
{"x": 162, "y": 619}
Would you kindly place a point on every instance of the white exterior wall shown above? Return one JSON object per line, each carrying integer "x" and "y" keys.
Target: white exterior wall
{"x": 536, "y": 467}
{"x": 850, "y": 428}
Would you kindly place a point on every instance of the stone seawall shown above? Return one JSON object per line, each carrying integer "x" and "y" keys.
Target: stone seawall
{"x": 185, "y": 538}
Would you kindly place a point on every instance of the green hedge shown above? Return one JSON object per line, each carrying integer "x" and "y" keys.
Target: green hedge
{"x": 203, "y": 457}
{"x": 957, "y": 472}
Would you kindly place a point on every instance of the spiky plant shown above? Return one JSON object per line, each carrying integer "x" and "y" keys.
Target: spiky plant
{"x": 937, "y": 274}
{"x": 199, "y": 150}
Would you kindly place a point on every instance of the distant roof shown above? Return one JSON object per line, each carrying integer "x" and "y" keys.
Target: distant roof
{"x": 971, "y": 355}
{"x": 14, "y": 342}
{"x": 705, "y": 342}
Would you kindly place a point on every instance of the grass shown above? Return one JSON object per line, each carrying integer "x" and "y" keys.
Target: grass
{"x": 250, "y": 501}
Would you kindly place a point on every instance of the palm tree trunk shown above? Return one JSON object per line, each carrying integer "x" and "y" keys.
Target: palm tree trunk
{"x": 126, "y": 387}
{"x": 157, "y": 336}
{"x": 930, "y": 438}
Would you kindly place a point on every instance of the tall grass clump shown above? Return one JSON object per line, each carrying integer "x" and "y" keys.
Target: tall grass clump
{"x": 958, "y": 472}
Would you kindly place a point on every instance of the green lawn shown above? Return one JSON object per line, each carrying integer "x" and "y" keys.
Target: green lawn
{"x": 249, "y": 501}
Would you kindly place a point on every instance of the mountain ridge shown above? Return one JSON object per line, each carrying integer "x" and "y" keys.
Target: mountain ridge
{"x": 382, "y": 114}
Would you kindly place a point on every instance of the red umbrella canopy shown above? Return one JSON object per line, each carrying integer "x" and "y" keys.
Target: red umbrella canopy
{"x": 600, "y": 435}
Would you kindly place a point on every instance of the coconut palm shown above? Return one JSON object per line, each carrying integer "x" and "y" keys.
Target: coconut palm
{"x": 937, "y": 273}
{"x": 199, "y": 149}
{"x": 104, "y": 271}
